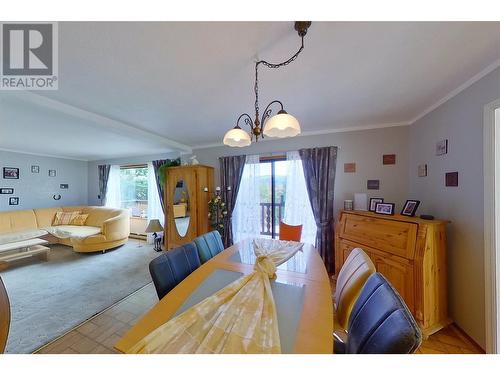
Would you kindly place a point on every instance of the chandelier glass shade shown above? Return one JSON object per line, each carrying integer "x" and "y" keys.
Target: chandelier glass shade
{"x": 237, "y": 137}
{"x": 280, "y": 125}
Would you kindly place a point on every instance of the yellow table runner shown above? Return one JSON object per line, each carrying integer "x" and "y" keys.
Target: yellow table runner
{"x": 240, "y": 318}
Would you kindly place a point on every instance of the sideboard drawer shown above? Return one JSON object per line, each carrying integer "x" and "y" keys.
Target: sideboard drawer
{"x": 395, "y": 237}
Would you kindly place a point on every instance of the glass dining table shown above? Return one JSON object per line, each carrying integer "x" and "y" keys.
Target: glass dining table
{"x": 301, "y": 291}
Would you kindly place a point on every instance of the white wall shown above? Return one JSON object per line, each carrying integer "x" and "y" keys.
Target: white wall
{"x": 36, "y": 189}
{"x": 93, "y": 174}
{"x": 460, "y": 120}
{"x": 365, "y": 148}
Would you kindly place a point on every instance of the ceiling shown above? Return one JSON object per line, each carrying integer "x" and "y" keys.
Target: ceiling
{"x": 142, "y": 88}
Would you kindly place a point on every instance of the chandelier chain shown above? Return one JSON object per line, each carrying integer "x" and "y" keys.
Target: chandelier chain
{"x": 272, "y": 66}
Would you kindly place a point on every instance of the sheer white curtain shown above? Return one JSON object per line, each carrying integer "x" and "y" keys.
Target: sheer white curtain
{"x": 113, "y": 195}
{"x": 154, "y": 206}
{"x": 246, "y": 213}
{"x": 297, "y": 206}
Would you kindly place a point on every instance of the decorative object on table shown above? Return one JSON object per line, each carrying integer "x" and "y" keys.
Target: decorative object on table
{"x": 373, "y": 203}
{"x": 280, "y": 125}
{"x": 442, "y": 147}
{"x": 422, "y": 170}
{"x": 194, "y": 161}
{"x": 451, "y": 179}
{"x": 153, "y": 227}
{"x": 217, "y": 212}
{"x": 56, "y": 197}
{"x": 348, "y": 205}
{"x": 6, "y": 191}
{"x": 35, "y": 169}
{"x": 360, "y": 202}
{"x": 389, "y": 159}
{"x": 410, "y": 207}
{"x": 349, "y": 167}
{"x": 64, "y": 186}
{"x": 373, "y": 184}
{"x": 10, "y": 173}
{"x": 384, "y": 208}
{"x": 13, "y": 201}
{"x": 427, "y": 217}
{"x": 52, "y": 173}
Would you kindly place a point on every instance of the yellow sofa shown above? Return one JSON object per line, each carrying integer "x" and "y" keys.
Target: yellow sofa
{"x": 105, "y": 228}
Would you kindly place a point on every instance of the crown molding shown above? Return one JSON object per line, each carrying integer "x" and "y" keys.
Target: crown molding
{"x": 40, "y": 154}
{"x": 457, "y": 91}
{"x": 115, "y": 126}
{"x": 315, "y": 132}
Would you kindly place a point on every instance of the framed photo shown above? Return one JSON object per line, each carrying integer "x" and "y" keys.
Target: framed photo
{"x": 389, "y": 159}
{"x": 373, "y": 203}
{"x": 442, "y": 147}
{"x": 52, "y": 173}
{"x": 373, "y": 184}
{"x": 422, "y": 170}
{"x": 13, "y": 201}
{"x": 349, "y": 167}
{"x": 410, "y": 208}
{"x": 451, "y": 179}
{"x": 35, "y": 169}
{"x": 64, "y": 186}
{"x": 6, "y": 191}
{"x": 385, "y": 208}
{"x": 10, "y": 173}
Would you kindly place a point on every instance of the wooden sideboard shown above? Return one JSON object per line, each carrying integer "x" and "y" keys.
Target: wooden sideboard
{"x": 409, "y": 251}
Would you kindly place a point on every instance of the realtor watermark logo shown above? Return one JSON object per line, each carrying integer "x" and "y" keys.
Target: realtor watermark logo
{"x": 29, "y": 56}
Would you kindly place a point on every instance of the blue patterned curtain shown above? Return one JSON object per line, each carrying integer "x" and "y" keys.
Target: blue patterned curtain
{"x": 319, "y": 170}
{"x": 103, "y": 181}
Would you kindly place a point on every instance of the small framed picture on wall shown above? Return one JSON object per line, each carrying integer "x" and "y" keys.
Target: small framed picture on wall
{"x": 35, "y": 169}
{"x": 10, "y": 173}
{"x": 52, "y": 173}
{"x": 13, "y": 201}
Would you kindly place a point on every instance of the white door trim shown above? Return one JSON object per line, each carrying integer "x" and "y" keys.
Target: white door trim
{"x": 491, "y": 227}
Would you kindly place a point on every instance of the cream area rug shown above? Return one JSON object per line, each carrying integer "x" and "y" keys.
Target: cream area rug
{"x": 50, "y": 298}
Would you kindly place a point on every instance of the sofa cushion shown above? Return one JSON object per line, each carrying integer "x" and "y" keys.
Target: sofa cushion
{"x": 98, "y": 215}
{"x": 79, "y": 219}
{"x": 65, "y": 218}
{"x": 21, "y": 236}
{"x": 209, "y": 245}
{"x": 45, "y": 216}
{"x": 17, "y": 221}
{"x": 71, "y": 231}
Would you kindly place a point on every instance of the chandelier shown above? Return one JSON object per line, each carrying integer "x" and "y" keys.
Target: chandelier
{"x": 280, "y": 125}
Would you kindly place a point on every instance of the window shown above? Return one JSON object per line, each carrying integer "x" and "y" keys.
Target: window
{"x": 134, "y": 189}
{"x": 273, "y": 176}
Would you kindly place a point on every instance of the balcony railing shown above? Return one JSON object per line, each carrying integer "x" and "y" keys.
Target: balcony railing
{"x": 266, "y": 220}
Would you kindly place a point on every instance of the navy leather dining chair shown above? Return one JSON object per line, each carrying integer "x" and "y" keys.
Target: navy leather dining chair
{"x": 208, "y": 245}
{"x": 173, "y": 266}
{"x": 380, "y": 322}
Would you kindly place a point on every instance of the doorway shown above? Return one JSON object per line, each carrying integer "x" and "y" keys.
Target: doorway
{"x": 492, "y": 224}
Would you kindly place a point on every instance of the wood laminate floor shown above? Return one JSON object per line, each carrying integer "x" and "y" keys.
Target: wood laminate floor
{"x": 100, "y": 333}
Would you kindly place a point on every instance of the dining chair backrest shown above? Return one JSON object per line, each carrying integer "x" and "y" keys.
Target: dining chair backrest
{"x": 4, "y": 316}
{"x": 290, "y": 232}
{"x": 380, "y": 322}
{"x": 351, "y": 278}
{"x": 170, "y": 268}
{"x": 208, "y": 245}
